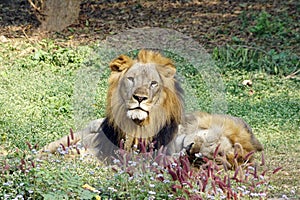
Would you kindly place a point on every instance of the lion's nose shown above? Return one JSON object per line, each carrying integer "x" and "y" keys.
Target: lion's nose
{"x": 139, "y": 98}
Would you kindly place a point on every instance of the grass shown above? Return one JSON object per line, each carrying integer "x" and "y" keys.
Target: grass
{"x": 46, "y": 89}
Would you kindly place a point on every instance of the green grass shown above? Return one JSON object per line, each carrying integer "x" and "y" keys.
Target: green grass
{"x": 43, "y": 94}
{"x": 37, "y": 93}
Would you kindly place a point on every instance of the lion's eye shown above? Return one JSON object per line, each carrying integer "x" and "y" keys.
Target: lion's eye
{"x": 131, "y": 79}
{"x": 154, "y": 84}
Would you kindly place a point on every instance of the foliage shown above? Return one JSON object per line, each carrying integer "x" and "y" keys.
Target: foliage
{"x": 255, "y": 59}
{"x": 265, "y": 26}
{"x": 176, "y": 178}
{"x": 37, "y": 91}
{"x": 269, "y": 30}
{"x": 25, "y": 176}
{"x": 36, "y": 105}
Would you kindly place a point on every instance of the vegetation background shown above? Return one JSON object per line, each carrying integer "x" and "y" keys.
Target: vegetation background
{"x": 256, "y": 41}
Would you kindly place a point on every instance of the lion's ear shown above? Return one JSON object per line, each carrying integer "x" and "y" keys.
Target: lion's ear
{"x": 168, "y": 71}
{"x": 120, "y": 63}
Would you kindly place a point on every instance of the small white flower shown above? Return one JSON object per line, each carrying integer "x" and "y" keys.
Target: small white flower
{"x": 132, "y": 163}
{"x": 219, "y": 190}
{"x": 293, "y": 191}
{"x": 183, "y": 184}
{"x": 154, "y": 164}
{"x": 7, "y": 183}
{"x": 246, "y": 192}
{"x": 19, "y": 196}
{"x": 262, "y": 194}
{"x": 210, "y": 196}
{"x": 151, "y": 198}
{"x": 152, "y": 192}
{"x": 160, "y": 175}
{"x": 112, "y": 189}
{"x": 166, "y": 181}
{"x": 34, "y": 151}
{"x": 151, "y": 185}
{"x": 254, "y": 194}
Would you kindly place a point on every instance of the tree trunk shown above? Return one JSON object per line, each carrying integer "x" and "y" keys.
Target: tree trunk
{"x": 55, "y": 15}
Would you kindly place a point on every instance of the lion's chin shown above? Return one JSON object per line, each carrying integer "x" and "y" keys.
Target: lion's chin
{"x": 138, "y": 116}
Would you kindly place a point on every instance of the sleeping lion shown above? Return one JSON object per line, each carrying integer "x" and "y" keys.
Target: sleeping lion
{"x": 145, "y": 103}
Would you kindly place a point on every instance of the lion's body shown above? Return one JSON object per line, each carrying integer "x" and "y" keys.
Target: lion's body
{"x": 144, "y": 102}
{"x": 211, "y": 131}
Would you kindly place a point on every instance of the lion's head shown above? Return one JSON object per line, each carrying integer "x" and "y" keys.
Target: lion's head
{"x": 144, "y": 99}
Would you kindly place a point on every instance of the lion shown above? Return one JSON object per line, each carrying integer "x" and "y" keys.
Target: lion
{"x": 145, "y": 103}
{"x": 224, "y": 138}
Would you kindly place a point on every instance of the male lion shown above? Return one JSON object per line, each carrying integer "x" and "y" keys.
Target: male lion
{"x": 144, "y": 102}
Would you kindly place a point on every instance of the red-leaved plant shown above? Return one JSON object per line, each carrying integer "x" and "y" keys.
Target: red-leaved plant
{"x": 208, "y": 181}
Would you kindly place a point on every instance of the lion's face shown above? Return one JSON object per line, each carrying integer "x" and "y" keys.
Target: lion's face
{"x": 140, "y": 90}
{"x": 144, "y": 96}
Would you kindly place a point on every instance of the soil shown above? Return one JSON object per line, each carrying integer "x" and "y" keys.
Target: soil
{"x": 211, "y": 23}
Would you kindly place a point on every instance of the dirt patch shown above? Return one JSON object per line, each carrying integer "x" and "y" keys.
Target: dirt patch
{"x": 211, "y": 23}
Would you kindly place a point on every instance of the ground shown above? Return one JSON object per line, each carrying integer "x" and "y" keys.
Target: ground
{"x": 211, "y": 23}
{"x": 262, "y": 24}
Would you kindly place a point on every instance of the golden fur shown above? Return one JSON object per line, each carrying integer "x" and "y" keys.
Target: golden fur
{"x": 231, "y": 135}
{"x": 144, "y": 101}
{"x": 166, "y": 98}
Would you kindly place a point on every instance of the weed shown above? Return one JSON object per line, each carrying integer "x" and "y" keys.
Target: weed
{"x": 265, "y": 25}
{"x": 25, "y": 176}
{"x": 257, "y": 60}
{"x": 176, "y": 178}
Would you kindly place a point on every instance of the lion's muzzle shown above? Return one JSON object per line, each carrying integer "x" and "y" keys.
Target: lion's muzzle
{"x": 138, "y": 109}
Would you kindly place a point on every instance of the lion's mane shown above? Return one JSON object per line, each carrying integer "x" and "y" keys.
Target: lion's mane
{"x": 164, "y": 117}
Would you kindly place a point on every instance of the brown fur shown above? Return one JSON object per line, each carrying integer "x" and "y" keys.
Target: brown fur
{"x": 242, "y": 141}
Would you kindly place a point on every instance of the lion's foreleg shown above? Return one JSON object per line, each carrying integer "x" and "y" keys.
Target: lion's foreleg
{"x": 83, "y": 136}
{"x": 65, "y": 141}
